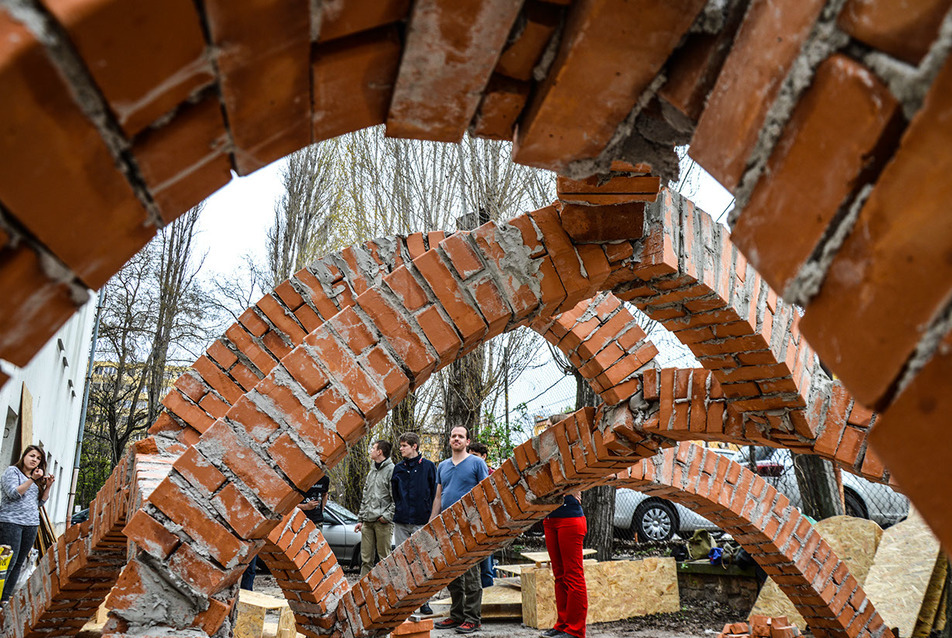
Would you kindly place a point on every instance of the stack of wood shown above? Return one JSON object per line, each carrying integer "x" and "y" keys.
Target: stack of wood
{"x": 761, "y": 627}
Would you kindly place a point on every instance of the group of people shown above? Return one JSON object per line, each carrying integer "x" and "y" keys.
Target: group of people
{"x": 399, "y": 499}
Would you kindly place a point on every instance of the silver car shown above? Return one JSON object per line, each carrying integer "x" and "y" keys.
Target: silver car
{"x": 656, "y": 519}
{"x": 862, "y": 498}
{"x": 339, "y": 531}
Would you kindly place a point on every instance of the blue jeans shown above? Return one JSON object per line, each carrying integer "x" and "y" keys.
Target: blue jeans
{"x": 20, "y": 539}
{"x": 248, "y": 577}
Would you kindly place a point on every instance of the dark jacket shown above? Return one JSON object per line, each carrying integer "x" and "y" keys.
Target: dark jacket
{"x": 414, "y": 486}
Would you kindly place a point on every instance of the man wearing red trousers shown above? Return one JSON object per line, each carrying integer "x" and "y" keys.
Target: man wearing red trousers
{"x": 564, "y": 530}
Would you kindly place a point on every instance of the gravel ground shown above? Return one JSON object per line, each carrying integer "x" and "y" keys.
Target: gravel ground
{"x": 693, "y": 621}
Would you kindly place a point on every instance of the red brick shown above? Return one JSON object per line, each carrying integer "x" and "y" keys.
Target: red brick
{"x": 42, "y": 304}
{"x": 197, "y": 572}
{"x": 343, "y": 18}
{"x": 903, "y": 29}
{"x": 411, "y": 294}
{"x": 455, "y": 302}
{"x": 294, "y": 462}
{"x": 305, "y": 370}
{"x": 199, "y": 471}
{"x": 195, "y": 522}
{"x": 501, "y": 105}
{"x": 521, "y": 56}
{"x": 848, "y": 118}
{"x": 901, "y": 238}
{"x": 462, "y": 256}
{"x": 250, "y": 468}
{"x": 619, "y": 189}
{"x": 185, "y": 160}
{"x": 142, "y": 72}
{"x": 603, "y": 223}
{"x": 241, "y": 514}
{"x": 353, "y": 82}
{"x": 55, "y": 143}
{"x": 693, "y": 68}
{"x": 562, "y": 122}
{"x": 399, "y": 332}
{"x": 217, "y": 379}
{"x": 153, "y": 537}
{"x": 263, "y": 75}
{"x": 444, "y": 69}
{"x": 766, "y": 45}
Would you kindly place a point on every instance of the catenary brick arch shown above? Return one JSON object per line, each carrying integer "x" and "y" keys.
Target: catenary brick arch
{"x": 843, "y": 100}
{"x": 599, "y": 337}
{"x": 775, "y": 534}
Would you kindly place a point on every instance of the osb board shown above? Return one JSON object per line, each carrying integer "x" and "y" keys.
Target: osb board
{"x": 935, "y": 594}
{"x": 252, "y": 609}
{"x": 901, "y": 573}
{"x": 499, "y": 602}
{"x": 616, "y": 590}
{"x": 854, "y": 541}
{"x": 543, "y": 556}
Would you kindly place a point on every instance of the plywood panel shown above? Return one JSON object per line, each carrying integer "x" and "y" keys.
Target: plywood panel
{"x": 854, "y": 541}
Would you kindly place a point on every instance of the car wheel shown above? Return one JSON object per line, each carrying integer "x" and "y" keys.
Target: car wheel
{"x": 355, "y": 557}
{"x": 854, "y": 505}
{"x": 654, "y": 521}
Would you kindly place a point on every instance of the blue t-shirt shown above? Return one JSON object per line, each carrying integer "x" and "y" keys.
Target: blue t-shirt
{"x": 457, "y": 480}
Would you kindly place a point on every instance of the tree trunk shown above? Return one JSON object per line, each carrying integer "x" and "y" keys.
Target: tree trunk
{"x": 598, "y": 502}
{"x": 464, "y": 396}
{"x": 818, "y": 488}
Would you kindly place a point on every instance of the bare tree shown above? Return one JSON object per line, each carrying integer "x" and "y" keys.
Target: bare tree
{"x": 155, "y": 321}
{"x": 303, "y": 217}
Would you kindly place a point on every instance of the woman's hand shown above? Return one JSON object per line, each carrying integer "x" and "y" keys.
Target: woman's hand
{"x": 37, "y": 475}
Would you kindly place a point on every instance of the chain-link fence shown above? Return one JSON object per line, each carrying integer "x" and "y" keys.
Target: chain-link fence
{"x": 656, "y": 519}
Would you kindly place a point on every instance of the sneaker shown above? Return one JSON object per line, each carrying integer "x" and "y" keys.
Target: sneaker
{"x": 447, "y": 623}
{"x": 550, "y": 633}
{"x": 426, "y": 610}
{"x": 468, "y": 627}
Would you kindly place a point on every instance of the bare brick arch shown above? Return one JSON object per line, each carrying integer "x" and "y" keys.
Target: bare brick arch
{"x": 776, "y": 535}
{"x": 574, "y": 331}
{"x": 133, "y": 129}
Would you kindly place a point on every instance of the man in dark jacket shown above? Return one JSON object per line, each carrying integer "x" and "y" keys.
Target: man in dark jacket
{"x": 414, "y": 486}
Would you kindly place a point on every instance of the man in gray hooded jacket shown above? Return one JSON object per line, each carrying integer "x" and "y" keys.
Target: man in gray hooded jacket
{"x": 376, "y": 508}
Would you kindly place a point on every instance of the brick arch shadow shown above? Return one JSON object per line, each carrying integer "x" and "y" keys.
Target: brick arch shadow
{"x": 593, "y": 352}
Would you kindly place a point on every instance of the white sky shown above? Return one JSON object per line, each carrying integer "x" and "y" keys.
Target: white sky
{"x": 237, "y": 217}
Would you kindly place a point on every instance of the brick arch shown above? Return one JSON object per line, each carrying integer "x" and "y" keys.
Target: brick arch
{"x": 573, "y": 330}
{"x": 775, "y": 534}
{"x": 133, "y": 129}
{"x": 352, "y": 368}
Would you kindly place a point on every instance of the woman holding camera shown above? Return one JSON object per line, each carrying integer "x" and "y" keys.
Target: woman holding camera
{"x": 24, "y": 487}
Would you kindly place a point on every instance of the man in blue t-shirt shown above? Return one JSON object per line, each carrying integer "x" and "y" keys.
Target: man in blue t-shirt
{"x": 455, "y": 477}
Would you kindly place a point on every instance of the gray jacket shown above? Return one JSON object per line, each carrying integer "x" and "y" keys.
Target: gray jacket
{"x": 377, "y": 500}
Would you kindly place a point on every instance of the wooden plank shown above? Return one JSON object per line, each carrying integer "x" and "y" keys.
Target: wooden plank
{"x": 26, "y": 419}
{"x": 451, "y": 50}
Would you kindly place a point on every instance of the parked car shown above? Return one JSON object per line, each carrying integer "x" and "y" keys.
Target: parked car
{"x": 862, "y": 498}
{"x": 654, "y": 518}
{"x": 657, "y": 519}
{"x": 339, "y": 531}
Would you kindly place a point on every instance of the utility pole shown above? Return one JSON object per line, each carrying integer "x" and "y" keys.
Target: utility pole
{"x": 82, "y": 415}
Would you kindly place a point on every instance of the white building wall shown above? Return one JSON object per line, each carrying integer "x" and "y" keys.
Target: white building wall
{"x": 55, "y": 377}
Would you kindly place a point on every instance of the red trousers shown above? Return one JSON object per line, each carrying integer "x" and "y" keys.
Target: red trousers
{"x": 563, "y": 540}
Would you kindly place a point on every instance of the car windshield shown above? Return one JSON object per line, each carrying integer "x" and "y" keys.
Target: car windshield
{"x": 341, "y": 512}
